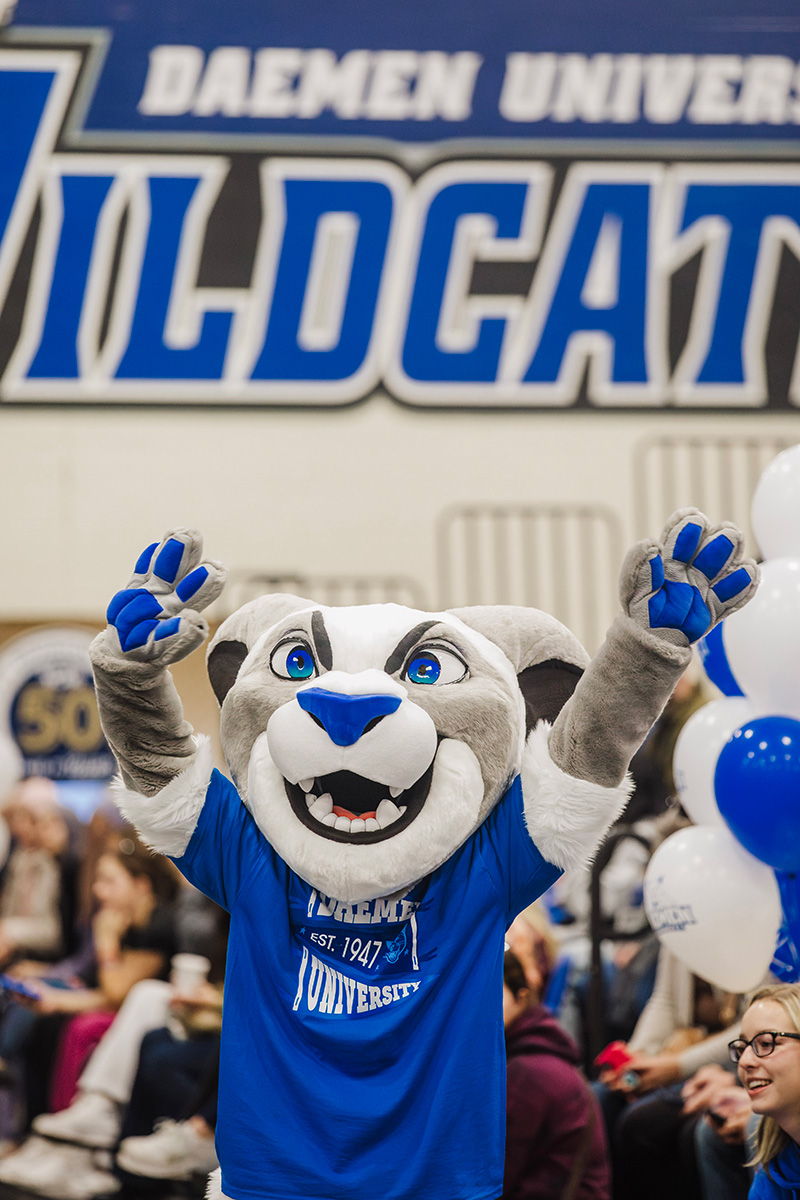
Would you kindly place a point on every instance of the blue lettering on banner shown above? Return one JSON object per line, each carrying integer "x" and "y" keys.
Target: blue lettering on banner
{"x": 490, "y": 210}
{"x": 363, "y": 277}
{"x": 79, "y": 200}
{"x": 148, "y": 353}
{"x": 327, "y": 280}
{"x": 602, "y": 286}
{"x": 742, "y": 226}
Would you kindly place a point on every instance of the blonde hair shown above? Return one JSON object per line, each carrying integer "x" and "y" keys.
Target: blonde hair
{"x": 771, "y": 1140}
{"x": 539, "y": 922}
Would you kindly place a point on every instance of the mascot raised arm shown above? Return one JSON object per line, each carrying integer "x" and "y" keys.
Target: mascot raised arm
{"x": 403, "y": 784}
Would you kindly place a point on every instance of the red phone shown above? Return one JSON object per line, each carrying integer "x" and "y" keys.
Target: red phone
{"x": 614, "y": 1056}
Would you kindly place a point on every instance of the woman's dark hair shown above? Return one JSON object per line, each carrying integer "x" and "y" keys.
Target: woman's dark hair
{"x": 513, "y": 974}
{"x": 140, "y": 862}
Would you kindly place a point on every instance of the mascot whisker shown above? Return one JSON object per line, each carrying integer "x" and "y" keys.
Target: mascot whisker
{"x": 402, "y": 784}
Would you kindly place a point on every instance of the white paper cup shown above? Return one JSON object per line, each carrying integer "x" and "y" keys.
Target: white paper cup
{"x": 188, "y": 971}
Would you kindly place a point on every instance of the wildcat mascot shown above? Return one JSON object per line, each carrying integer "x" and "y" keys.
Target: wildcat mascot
{"x": 403, "y": 784}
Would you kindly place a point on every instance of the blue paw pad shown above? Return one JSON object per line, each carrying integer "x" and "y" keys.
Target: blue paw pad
{"x": 687, "y": 542}
{"x": 144, "y": 559}
{"x": 189, "y": 586}
{"x": 731, "y": 585}
{"x": 670, "y": 607}
{"x": 169, "y": 560}
{"x": 119, "y": 601}
{"x": 138, "y": 635}
{"x": 656, "y": 572}
{"x": 143, "y": 607}
{"x": 698, "y": 620}
{"x": 167, "y": 628}
{"x": 712, "y": 558}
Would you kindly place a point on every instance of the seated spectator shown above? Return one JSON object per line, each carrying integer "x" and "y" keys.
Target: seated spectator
{"x": 133, "y": 939}
{"x": 530, "y": 938}
{"x": 155, "y": 1067}
{"x": 555, "y": 1141}
{"x": 685, "y": 1025}
{"x": 30, "y": 894}
{"x": 721, "y": 1135}
{"x": 169, "y": 1133}
{"x": 768, "y": 1059}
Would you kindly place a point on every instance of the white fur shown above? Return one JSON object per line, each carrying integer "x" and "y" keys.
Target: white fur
{"x": 214, "y": 1186}
{"x": 567, "y": 818}
{"x": 167, "y": 820}
{"x": 353, "y": 872}
{"x": 396, "y": 752}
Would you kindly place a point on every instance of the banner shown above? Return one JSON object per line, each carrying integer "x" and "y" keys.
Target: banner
{"x": 527, "y": 207}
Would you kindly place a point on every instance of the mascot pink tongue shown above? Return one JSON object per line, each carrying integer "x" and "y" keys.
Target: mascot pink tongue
{"x": 403, "y": 784}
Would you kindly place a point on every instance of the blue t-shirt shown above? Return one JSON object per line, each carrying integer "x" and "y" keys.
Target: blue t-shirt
{"x": 362, "y": 1047}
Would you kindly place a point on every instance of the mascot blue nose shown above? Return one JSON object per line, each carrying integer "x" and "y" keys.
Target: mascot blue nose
{"x": 345, "y": 718}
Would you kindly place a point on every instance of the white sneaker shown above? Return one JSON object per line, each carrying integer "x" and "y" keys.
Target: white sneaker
{"x": 175, "y": 1151}
{"x": 91, "y": 1120}
{"x": 51, "y": 1170}
{"x": 83, "y": 1181}
{"x": 88, "y": 1182}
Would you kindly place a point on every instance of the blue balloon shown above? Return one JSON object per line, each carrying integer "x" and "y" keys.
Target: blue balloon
{"x": 715, "y": 662}
{"x": 786, "y": 960}
{"x": 757, "y": 786}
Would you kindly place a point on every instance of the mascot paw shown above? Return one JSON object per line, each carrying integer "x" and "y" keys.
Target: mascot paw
{"x": 681, "y": 587}
{"x": 156, "y": 618}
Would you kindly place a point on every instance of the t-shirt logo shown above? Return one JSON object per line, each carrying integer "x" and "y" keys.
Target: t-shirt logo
{"x": 356, "y": 958}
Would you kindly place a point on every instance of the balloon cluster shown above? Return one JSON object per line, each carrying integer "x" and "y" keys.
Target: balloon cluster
{"x": 724, "y": 895}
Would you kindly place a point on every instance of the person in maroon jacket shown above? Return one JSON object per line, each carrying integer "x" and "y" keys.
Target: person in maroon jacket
{"x": 555, "y": 1140}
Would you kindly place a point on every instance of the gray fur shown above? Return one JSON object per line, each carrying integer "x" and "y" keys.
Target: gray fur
{"x": 525, "y": 635}
{"x": 622, "y": 693}
{"x": 167, "y": 821}
{"x": 142, "y": 717}
{"x": 250, "y": 621}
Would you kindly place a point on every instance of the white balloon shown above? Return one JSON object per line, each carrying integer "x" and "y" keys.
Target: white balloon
{"x": 762, "y": 641}
{"x": 776, "y": 507}
{"x": 713, "y": 906}
{"x": 697, "y": 750}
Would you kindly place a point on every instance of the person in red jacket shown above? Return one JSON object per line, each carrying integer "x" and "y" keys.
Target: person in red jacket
{"x": 555, "y": 1140}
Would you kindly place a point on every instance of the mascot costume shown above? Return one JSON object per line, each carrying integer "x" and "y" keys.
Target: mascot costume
{"x": 404, "y": 783}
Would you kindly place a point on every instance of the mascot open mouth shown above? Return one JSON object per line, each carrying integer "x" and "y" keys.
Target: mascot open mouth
{"x": 347, "y": 807}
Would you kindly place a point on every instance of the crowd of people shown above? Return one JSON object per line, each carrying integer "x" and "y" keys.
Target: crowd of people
{"x": 111, "y": 1007}
{"x": 111, "y": 1010}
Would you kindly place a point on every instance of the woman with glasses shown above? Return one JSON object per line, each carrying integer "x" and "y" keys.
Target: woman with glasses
{"x": 768, "y": 1059}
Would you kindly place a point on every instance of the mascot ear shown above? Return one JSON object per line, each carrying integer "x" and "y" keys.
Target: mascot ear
{"x": 546, "y": 687}
{"x": 223, "y": 664}
{"x": 548, "y": 659}
{"x": 237, "y": 635}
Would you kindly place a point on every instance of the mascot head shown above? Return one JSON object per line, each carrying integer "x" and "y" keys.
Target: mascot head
{"x": 370, "y": 742}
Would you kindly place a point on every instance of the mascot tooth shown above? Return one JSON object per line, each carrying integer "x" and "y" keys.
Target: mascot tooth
{"x": 403, "y": 784}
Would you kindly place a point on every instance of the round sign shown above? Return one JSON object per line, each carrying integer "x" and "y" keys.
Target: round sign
{"x": 48, "y": 709}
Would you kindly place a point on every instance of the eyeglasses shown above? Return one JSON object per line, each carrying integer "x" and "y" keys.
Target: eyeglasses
{"x": 762, "y": 1044}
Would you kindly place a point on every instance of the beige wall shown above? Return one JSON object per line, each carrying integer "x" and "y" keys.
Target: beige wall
{"x": 349, "y": 490}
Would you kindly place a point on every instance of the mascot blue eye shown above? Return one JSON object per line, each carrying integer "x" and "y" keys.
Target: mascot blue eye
{"x": 424, "y": 669}
{"x": 293, "y": 660}
{"x": 435, "y": 665}
{"x": 300, "y": 664}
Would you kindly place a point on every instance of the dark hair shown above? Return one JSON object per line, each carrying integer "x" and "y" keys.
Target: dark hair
{"x": 513, "y": 974}
{"x": 142, "y": 863}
